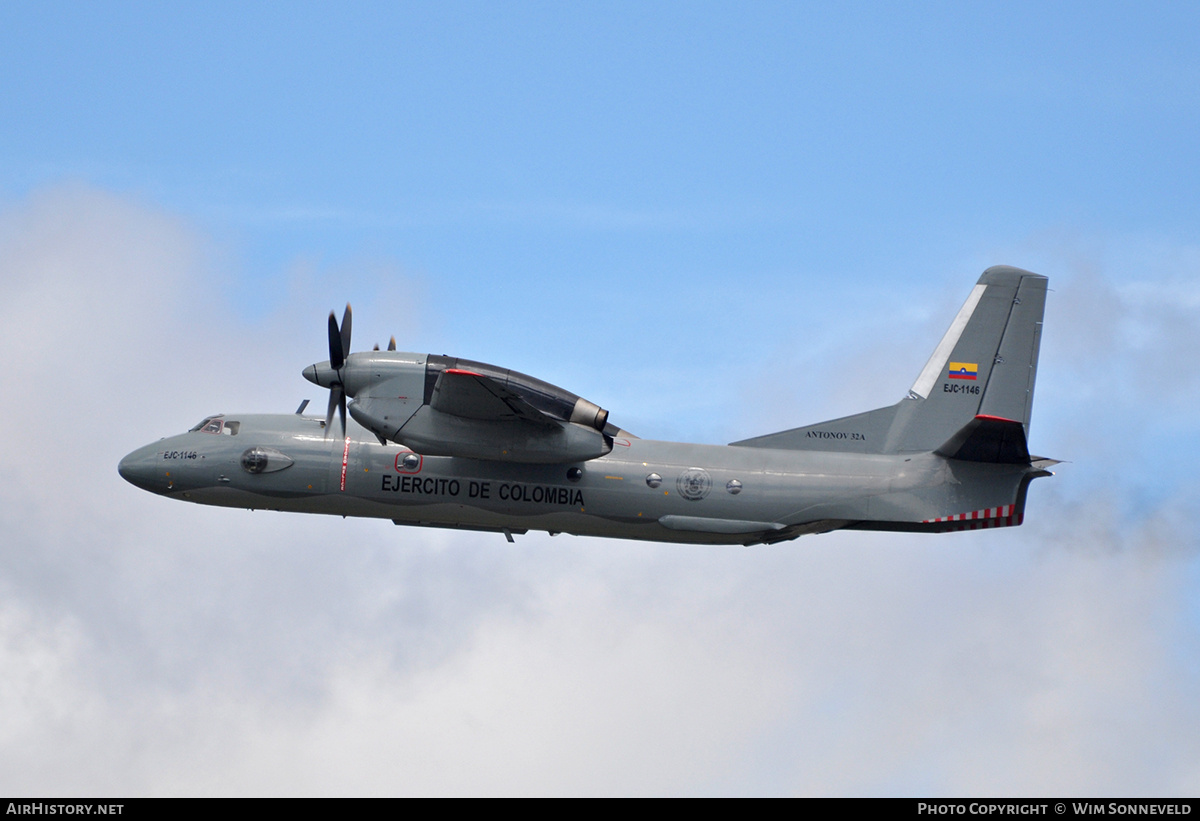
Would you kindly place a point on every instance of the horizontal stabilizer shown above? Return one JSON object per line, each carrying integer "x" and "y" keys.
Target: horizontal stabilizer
{"x": 988, "y": 439}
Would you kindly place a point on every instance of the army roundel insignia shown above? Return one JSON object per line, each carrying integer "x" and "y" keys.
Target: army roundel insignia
{"x": 694, "y": 484}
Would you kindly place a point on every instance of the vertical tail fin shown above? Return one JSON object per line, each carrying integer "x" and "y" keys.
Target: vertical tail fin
{"x": 985, "y": 365}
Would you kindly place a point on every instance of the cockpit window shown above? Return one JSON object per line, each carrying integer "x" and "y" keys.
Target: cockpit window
{"x": 207, "y": 425}
{"x": 217, "y": 424}
{"x": 214, "y": 424}
{"x": 201, "y": 424}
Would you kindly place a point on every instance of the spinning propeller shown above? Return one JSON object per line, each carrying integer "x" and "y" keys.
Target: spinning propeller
{"x": 339, "y": 346}
{"x": 332, "y": 374}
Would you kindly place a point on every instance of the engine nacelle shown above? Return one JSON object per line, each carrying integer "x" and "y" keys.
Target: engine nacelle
{"x": 396, "y": 397}
{"x": 432, "y": 433}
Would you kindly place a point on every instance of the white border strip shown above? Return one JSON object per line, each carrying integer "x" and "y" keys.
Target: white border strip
{"x": 941, "y": 354}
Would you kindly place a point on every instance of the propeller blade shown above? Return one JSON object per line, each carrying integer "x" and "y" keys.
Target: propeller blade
{"x": 337, "y": 399}
{"x": 337, "y": 355}
{"x": 346, "y": 331}
{"x": 339, "y": 348}
{"x": 392, "y": 344}
{"x": 329, "y": 412}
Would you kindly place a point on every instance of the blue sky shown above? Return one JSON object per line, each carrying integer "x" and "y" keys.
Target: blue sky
{"x": 696, "y": 135}
{"x": 716, "y": 220}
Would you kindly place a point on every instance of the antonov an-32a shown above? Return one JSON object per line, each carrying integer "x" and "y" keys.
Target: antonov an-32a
{"x": 442, "y": 442}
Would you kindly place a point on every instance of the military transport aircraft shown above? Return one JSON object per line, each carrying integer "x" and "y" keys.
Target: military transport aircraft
{"x": 443, "y": 442}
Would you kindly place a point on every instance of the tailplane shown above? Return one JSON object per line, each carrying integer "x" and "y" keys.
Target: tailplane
{"x": 988, "y": 439}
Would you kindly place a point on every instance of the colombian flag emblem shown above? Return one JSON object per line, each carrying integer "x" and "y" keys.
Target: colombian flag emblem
{"x": 964, "y": 370}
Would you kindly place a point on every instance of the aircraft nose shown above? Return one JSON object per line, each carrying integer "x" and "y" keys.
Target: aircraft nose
{"x": 140, "y": 468}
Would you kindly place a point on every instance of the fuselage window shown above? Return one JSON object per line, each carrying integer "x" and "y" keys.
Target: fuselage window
{"x": 213, "y": 426}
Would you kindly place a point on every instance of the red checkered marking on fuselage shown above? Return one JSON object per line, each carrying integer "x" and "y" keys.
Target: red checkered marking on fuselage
{"x": 1003, "y": 516}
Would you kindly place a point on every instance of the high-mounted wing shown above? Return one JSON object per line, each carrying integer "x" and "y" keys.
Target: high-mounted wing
{"x": 440, "y": 406}
{"x": 477, "y": 415}
{"x": 473, "y": 395}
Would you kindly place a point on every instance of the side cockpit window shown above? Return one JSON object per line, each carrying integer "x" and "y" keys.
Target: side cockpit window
{"x": 217, "y": 424}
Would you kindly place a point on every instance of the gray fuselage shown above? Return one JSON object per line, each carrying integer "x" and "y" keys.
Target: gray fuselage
{"x": 643, "y": 489}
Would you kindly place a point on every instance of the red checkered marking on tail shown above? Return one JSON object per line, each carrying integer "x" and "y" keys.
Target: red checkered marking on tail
{"x": 1003, "y": 516}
